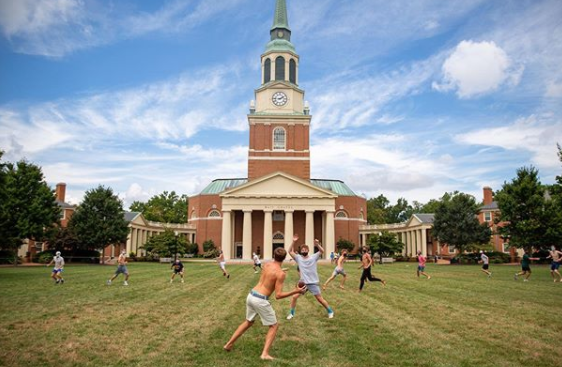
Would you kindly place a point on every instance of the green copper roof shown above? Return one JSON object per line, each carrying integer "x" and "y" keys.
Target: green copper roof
{"x": 220, "y": 185}
{"x": 280, "y": 19}
{"x": 280, "y": 45}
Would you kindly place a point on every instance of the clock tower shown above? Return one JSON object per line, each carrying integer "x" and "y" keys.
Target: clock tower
{"x": 279, "y": 117}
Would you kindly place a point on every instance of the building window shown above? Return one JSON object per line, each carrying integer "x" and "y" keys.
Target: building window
{"x": 193, "y": 215}
{"x": 361, "y": 216}
{"x": 293, "y": 71}
{"x": 341, "y": 214}
{"x": 214, "y": 214}
{"x": 278, "y": 216}
{"x": 280, "y": 68}
{"x": 267, "y": 71}
{"x": 62, "y": 214}
{"x": 278, "y": 236}
{"x": 487, "y": 216}
{"x": 505, "y": 247}
{"x": 279, "y": 139}
{"x": 451, "y": 249}
{"x": 38, "y": 246}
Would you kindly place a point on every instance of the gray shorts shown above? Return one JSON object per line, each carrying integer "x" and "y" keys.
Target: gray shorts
{"x": 121, "y": 269}
{"x": 338, "y": 271}
{"x": 314, "y": 289}
{"x": 257, "y": 306}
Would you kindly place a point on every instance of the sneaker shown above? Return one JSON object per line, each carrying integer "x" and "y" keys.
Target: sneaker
{"x": 57, "y": 281}
{"x": 228, "y": 276}
{"x": 525, "y": 280}
{"x": 61, "y": 281}
{"x": 490, "y": 275}
{"x": 516, "y": 276}
{"x": 125, "y": 283}
{"x": 108, "y": 282}
{"x": 255, "y": 272}
{"x": 290, "y": 316}
{"x": 330, "y": 315}
{"x": 182, "y": 280}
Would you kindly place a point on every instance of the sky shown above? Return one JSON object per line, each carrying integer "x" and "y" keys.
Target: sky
{"x": 410, "y": 99}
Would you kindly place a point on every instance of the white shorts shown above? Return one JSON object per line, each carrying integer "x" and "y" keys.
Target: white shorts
{"x": 257, "y": 306}
{"x": 222, "y": 264}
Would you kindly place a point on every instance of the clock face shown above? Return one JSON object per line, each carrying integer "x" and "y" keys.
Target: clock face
{"x": 279, "y": 99}
{"x": 280, "y": 34}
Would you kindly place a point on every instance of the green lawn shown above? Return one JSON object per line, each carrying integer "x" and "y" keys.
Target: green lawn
{"x": 458, "y": 318}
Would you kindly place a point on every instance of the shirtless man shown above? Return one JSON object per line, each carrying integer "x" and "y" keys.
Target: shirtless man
{"x": 308, "y": 270}
{"x": 257, "y": 302}
{"x": 56, "y": 274}
{"x": 121, "y": 268}
{"x": 222, "y": 264}
{"x": 366, "y": 262}
{"x": 338, "y": 270}
{"x": 556, "y": 257}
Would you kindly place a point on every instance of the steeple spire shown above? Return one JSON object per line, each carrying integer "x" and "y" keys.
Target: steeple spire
{"x": 280, "y": 19}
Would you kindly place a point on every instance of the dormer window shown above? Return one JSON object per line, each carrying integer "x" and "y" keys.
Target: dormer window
{"x": 279, "y": 139}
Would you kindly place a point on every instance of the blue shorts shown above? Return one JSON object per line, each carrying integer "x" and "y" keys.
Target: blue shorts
{"x": 56, "y": 271}
{"x": 314, "y": 289}
{"x": 421, "y": 268}
{"x": 555, "y": 265}
{"x": 121, "y": 269}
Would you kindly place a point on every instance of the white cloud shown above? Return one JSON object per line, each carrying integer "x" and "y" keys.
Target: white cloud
{"x": 476, "y": 68}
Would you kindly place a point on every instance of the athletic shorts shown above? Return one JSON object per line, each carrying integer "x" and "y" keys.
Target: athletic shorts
{"x": 257, "y": 264}
{"x": 421, "y": 268}
{"x": 555, "y": 265}
{"x": 257, "y": 306}
{"x": 178, "y": 271}
{"x": 121, "y": 269}
{"x": 222, "y": 265}
{"x": 314, "y": 289}
{"x": 338, "y": 271}
{"x": 485, "y": 266}
{"x": 526, "y": 268}
{"x": 56, "y": 271}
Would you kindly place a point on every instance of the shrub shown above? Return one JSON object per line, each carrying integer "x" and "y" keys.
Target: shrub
{"x": 208, "y": 246}
{"x": 78, "y": 256}
{"x": 7, "y": 257}
{"x": 192, "y": 248}
{"x": 345, "y": 245}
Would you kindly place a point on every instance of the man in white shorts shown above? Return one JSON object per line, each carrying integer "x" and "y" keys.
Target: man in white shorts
{"x": 338, "y": 271}
{"x": 56, "y": 274}
{"x": 222, "y": 264}
{"x": 257, "y": 263}
{"x": 257, "y": 302}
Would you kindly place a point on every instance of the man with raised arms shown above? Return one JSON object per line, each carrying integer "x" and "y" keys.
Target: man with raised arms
{"x": 257, "y": 302}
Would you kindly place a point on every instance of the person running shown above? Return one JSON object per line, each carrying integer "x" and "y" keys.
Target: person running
{"x": 337, "y": 271}
{"x": 525, "y": 266}
{"x": 332, "y": 257}
{"x": 178, "y": 269}
{"x": 222, "y": 264}
{"x": 121, "y": 268}
{"x": 257, "y": 303}
{"x": 485, "y": 264}
{"x": 56, "y": 274}
{"x": 366, "y": 262}
{"x": 421, "y": 266}
{"x": 556, "y": 257}
{"x": 257, "y": 263}
{"x": 308, "y": 268}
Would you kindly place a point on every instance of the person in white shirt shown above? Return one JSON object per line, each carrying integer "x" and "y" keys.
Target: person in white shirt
{"x": 56, "y": 274}
{"x": 257, "y": 263}
{"x": 485, "y": 264}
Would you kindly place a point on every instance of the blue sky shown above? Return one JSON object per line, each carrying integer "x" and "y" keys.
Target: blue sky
{"x": 409, "y": 98}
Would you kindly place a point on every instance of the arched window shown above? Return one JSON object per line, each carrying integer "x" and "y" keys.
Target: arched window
{"x": 267, "y": 71}
{"x": 278, "y": 236}
{"x": 293, "y": 71}
{"x": 214, "y": 214}
{"x": 361, "y": 216}
{"x": 341, "y": 214}
{"x": 193, "y": 215}
{"x": 279, "y": 138}
{"x": 280, "y": 68}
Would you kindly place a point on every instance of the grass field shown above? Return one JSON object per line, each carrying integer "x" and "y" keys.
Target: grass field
{"x": 458, "y": 318}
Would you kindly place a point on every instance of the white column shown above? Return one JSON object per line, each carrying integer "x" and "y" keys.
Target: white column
{"x": 247, "y": 235}
{"x": 418, "y": 241}
{"x": 309, "y": 236}
{"x": 329, "y": 242}
{"x": 288, "y": 230}
{"x": 424, "y": 242}
{"x": 226, "y": 234}
{"x": 409, "y": 241}
{"x": 363, "y": 239}
{"x": 267, "y": 235}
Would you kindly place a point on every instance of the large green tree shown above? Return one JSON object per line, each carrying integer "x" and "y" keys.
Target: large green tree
{"x": 28, "y": 208}
{"x": 167, "y": 244}
{"x": 99, "y": 221}
{"x": 529, "y": 215}
{"x": 456, "y": 223}
{"x": 386, "y": 244}
{"x": 167, "y": 207}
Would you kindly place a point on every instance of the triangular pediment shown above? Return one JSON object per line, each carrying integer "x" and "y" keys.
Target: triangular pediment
{"x": 279, "y": 184}
{"x": 139, "y": 220}
{"x": 279, "y": 84}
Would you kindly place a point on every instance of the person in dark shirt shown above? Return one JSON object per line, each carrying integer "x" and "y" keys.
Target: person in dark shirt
{"x": 178, "y": 269}
{"x": 525, "y": 266}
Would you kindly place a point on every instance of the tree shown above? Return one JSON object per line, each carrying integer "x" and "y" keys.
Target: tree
{"x": 400, "y": 212}
{"x": 344, "y": 244}
{"x": 376, "y": 210}
{"x": 28, "y": 207}
{"x": 167, "y": 244}
{"x": 456, "y": 223}
{"x": 386, "y": 244}
{"x": 165, "y": 208}
{"x": 530, "y": 218}
{"x": 99, "y": 221}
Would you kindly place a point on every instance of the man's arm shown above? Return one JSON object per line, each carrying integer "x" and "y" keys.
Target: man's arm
{"x": 319, "y": 245}
{"x": 279, "y": 294}
{"x": 292, "y": 251}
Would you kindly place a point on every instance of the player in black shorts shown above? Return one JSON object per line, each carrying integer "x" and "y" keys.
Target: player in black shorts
{"x": 178, "y": 269}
